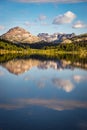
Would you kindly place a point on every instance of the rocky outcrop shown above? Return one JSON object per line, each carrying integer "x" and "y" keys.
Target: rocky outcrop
{"x": 56, "y": 37}
{"x": 66, "y": 41}
{"x": 19, "y": 35}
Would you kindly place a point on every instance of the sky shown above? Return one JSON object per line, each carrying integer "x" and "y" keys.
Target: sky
{"x": 44, "y": 16}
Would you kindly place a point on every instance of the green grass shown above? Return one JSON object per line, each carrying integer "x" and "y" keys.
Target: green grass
{"x": 73, "y": 48}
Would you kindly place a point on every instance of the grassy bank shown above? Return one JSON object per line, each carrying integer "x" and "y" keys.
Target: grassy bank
{"x": 73, "y": 48}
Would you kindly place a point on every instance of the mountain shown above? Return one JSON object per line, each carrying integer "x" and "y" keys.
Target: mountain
{"x": 56, "y": 37}
{"x": 19, "y": 35}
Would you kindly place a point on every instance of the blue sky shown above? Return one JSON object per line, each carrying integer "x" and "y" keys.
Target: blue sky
{"x": 47, "y": 16}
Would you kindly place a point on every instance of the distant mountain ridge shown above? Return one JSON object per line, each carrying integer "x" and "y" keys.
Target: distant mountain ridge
{"x": 56, "y": 37}
{"x": 20, "y": 35}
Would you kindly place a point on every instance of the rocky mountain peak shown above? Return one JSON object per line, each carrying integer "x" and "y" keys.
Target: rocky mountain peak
{"x": 56, "y": 37}
{"x": 19, "y": 35}
{"x": 17, "y": 29}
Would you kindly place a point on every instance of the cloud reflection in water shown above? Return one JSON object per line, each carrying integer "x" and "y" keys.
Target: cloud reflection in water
{"x": 1, "y": 73}
{"x": 66, "y": 85}
{"x": 59, "y": 105}
{"x": 79, "y": 78}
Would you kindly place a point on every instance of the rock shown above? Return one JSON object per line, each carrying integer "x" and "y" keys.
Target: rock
{"x": 19, "y": 35}
{"x": 66, "y": 41}
{"x": 56, "y": 37}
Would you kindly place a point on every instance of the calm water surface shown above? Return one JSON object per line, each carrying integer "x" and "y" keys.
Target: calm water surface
{"x": 43, "y": 95}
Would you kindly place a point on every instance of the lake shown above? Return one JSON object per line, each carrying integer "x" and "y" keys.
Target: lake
{"x": 43, "y": 93}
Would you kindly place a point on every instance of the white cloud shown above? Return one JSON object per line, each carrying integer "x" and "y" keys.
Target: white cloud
{"x": 27, "y": 23}
{"x": 67, "y": 17}
{"x": 79, "y": 24}
{"x": 66, "y": 85}
{"x": 50, "y": 1}
{"x": 44, "y": 23}
{"x": 2, "y": 27}
{"x": 42, "y": 17}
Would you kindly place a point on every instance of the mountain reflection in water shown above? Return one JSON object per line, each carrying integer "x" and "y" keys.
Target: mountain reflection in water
{"x": 44, "y": 94}
{"x": 19, "y": 66}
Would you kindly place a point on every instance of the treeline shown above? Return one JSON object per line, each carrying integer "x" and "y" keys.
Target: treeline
{"x": 77, "y": 46}
{"x": 59, "y": 46}
{"x": 11, "y": 46}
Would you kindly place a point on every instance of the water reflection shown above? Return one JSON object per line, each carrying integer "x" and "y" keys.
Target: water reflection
{"x": 19, "y": 66}
{"x": 1, "y": 73}
{"x": 59, "y": 105}
{"x": 66, "y": 85}
{"x": 43, "y": 94}
{"x": 79, "y": 78}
